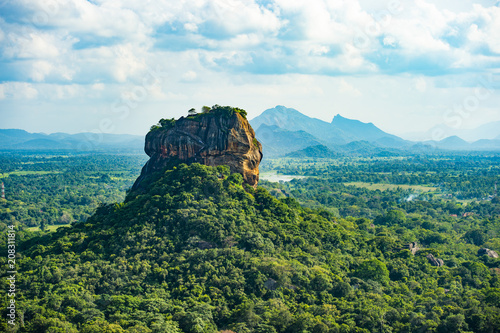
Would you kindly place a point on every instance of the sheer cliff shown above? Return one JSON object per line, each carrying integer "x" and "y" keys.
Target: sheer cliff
{"x": 219, "y": 136}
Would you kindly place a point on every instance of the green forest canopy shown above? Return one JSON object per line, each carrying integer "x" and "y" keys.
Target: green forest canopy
{"x": 200, "y": 252}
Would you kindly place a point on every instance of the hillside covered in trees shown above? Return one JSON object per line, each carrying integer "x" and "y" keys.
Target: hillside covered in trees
{"x": 202, "y": 252}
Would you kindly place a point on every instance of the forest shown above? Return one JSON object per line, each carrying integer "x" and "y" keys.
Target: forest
{"x": 50, "y": 189}
{"x": 388, "y": 244}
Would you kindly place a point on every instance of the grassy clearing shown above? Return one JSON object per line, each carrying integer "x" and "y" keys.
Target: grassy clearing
{"x": 50, "y": 228}
{"x": 383, "y": 187}
{"x": 24, "y": 173}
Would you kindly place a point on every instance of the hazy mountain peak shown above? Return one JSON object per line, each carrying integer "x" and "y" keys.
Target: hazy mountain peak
{"x": 289, "y": 119}
{"x": 282, "y": 110}
{"x": 455, "y": 140}
{"x": 340, "y": 131}
{"x": 339, "y": 118}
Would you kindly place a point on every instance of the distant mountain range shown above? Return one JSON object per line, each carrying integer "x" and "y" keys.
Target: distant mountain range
{"x": 489, "y": 131}
{"x": 340, "y": 131}
{"x": 282, "y": 131}
{"x": 456, "y": 143}
{"x": 285, "y": 131}
{"x": 21, "y": 140}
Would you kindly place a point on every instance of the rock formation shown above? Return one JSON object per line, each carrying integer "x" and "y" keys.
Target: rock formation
{"x": 434, "y": 261}
{"x": 488, "y": 252}
{"x": 413, "y": 247}
{"x": 221, "y": 136}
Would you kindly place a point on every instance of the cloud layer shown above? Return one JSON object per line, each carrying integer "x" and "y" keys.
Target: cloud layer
{"x": 70, "y": 49}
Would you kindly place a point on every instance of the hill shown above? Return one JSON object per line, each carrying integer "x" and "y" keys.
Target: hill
{"x": 453, "y": 142}
{"x": 457, "y": 143}
{"x": 486, "y": 144}
{"x": 318, "y": 151}
{"x": 15, "y": 139}
{"x": 200, "y": 252}
{"x": 195, "y": 251}
{"x": 355, "y": 148}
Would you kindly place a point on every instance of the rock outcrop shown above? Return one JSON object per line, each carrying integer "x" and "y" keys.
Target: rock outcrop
{"x": 434, "y": 261}
{"x": 221, "y": 136}
{"x": 413, "y": 247}
{"x": 488, "y": 252}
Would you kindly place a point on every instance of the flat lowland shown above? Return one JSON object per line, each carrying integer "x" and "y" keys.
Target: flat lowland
{"x": 383, "y": 187}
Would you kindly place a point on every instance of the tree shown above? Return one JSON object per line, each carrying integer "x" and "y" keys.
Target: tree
{"x": 192, "y": 111}
{"x": 373, "y": 269}
{"x": 453, "y": 323}
{"x": 167, "y": 123}
{"x": 393, "y": 217}
{"x": 476, "y": 237}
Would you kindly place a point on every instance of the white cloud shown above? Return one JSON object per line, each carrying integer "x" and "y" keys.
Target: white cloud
{"x": 191, "y": 27}
{"x": 39, "y": 70}
{"x": 390, "y": 41}
{"x": 420, "y": 84}
{"x": 189, "y": 76}
{"x": 96, "y": 49}
{"x": 488, "y": 34}
{"x": 61, "y": 92}
{"x": 115, "y": 39}
{"x": 418, "y": 29}
{"x": 26, "y": 43}
{"x": 98, "y": 86}
{"x": 18, "y": 90}
{"x": 42, "y": 69}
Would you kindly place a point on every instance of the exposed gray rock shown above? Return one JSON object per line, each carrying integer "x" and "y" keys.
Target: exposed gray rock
{"x": 271, "y": 284}
{"x": 413, "y": 247}
{"x": 434, "y": 261}
{"x": 488, "y": 252}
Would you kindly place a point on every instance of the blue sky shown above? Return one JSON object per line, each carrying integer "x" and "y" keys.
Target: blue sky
{"x": 119, "y": 66}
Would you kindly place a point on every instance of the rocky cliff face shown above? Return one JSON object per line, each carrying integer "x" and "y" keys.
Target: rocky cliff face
{"x": 211, "y": 139}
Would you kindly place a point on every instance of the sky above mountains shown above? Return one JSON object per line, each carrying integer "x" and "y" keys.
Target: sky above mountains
{"x": 119, "y": 66}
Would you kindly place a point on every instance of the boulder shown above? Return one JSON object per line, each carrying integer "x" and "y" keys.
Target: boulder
{"x": 488, "y": 252}
{"x": 434, "y": 261}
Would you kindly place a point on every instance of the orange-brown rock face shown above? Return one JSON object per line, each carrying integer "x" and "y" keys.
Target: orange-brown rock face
{"x": 207, "y": 139}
